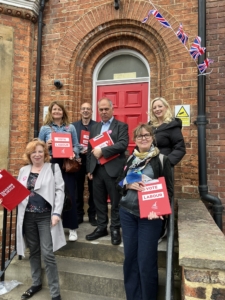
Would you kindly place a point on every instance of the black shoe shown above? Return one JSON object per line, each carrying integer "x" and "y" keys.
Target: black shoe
{"x": 115, "y": 237}
{"x": 96, "y": 234}
{"x": 57, "y": 298}
{"x": 31, "y": 291}
{"x": 93, "y": 221}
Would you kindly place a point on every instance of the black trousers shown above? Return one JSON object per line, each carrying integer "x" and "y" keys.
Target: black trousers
{"x": 104, "y": 185}
{"x": 80, "y": 179}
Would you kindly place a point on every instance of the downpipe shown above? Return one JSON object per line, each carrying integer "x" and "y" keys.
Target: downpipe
{"x": 201, "y": 122}
{"x": 38, "y": 69}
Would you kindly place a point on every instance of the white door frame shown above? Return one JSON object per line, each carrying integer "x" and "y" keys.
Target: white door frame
{"x": 103, "y": 61}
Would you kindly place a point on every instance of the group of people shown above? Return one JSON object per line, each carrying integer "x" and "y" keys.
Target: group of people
{"x": 40, "y": 217}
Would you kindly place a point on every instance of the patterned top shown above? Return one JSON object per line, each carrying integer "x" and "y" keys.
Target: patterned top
{"x": 36, "y": 203}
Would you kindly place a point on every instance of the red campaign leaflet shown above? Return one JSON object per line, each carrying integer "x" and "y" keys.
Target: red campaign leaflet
{"x": 103, "y": 140}
{"x": 61, "y": 145}
{"x": 12, "y": 191}
{"x": 154, "y": 198}
{"x": 84, "y": 138}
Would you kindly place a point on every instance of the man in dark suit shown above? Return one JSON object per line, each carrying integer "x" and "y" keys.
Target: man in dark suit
{"x": 104, "y": 176}
{"x": 84, "y": 124}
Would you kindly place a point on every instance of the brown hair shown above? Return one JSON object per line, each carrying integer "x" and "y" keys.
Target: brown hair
{"x": 145, "y": 126}
{"x": 168, "y": 117}
{"x": 48, "y": 118}
{"x": 30, "y": 148}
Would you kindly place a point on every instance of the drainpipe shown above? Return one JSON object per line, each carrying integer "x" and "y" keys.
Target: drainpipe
{"x": 201, "y": 122}
{"x": 38, "y": 69}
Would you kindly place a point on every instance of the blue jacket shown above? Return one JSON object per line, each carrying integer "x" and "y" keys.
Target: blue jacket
{"x": 46, "y": 130}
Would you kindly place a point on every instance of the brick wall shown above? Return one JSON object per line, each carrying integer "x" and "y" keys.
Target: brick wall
{"x": 20, "y": 105}
{"x": 78, "y": 34}
{"x": 215, "y": 97}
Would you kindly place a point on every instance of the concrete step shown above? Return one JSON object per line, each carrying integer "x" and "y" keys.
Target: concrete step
{"x": 44, "y": 295}
{"x": 102, "y": 249}
{"x": 16, "y": 293}
{"x": 84, "y": 276}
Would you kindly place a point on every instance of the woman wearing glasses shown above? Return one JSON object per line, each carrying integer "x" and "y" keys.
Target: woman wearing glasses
{"x": 140, "y": 235}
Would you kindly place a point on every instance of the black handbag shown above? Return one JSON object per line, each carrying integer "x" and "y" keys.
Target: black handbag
{"x": 67, "y": 205}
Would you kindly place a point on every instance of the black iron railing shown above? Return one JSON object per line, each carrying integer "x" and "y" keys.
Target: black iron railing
{"x": 169, "y": 291}
{"x": 8, "y": 245}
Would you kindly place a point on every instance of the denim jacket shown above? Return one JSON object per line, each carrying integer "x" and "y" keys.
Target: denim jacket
{"x": 46, "y": 130}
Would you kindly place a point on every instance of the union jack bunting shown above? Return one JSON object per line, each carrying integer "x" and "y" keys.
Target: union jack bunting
{"x": 182, "y": 36}
{"x": 196, "y": 49}
{"x": 160, "y": 18}
{"x": 146, "y": 18}
{"x": 202, "y": 67}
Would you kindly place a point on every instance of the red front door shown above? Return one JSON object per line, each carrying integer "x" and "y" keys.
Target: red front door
{"x": 130, "y": 103}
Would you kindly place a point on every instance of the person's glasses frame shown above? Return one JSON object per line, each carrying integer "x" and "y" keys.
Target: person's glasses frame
{"x": 85, "y": 108}
{"x": 140, "y": 137}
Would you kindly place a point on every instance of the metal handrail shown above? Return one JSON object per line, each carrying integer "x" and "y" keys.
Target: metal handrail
{"x": 169, "y": 291}
{"x": 7, "y": 241}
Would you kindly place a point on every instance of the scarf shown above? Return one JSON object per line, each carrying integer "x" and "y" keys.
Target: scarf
{"x": 134, "y": 173}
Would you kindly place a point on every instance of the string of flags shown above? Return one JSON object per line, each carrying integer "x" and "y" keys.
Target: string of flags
{"x": 195, "y": 51}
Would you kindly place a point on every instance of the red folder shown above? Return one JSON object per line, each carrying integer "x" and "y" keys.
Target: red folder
{"x": 103, "y": 140}
{"x": 84, "y": 138}
{"x": 12, "y": 191}
{"x": 61, "y": 145}
{"x": 154, "y": 198}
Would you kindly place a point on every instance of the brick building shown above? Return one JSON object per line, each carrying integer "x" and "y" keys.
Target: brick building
{"x": 83, "y": 42}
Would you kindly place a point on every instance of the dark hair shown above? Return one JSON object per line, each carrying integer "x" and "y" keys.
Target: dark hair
{"x": 48, "y": 118}
{"x": 30, "y": 148}
{"x": 145, "y": 126}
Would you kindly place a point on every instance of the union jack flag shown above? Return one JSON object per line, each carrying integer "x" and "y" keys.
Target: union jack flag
{"x": 182, "y": 36}
{"x": 202, "y": 67}
{"x": 160, "y": 18}
{"x": 196, "y": 49}
{"x": 146, "y": 18}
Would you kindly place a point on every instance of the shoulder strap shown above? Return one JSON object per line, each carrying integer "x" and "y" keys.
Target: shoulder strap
{"x": 161, "y": 158}
{"x": 53, "y": 168}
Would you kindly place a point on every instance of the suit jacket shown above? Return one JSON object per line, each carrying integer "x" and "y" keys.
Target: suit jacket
{"x": 51, "y": 188}
{"x": 119, "y": 134}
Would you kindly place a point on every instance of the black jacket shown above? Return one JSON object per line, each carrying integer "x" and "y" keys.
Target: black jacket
{"x": 170, "y": 141}
{"x": 158, "y": 170}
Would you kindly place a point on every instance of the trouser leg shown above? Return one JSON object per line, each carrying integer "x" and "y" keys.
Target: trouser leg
{"x": 100, "y": 197}
{"x": 33, "y": 243}
{"x": 47, "y": 253}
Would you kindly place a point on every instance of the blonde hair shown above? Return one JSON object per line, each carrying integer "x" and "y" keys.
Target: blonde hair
{"x": 30, "y": 148}
{"x": 48, "y": 118}
{"x": 168, "y": 117}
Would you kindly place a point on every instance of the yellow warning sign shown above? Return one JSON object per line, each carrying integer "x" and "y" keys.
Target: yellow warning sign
{"x": 182, "y": 113}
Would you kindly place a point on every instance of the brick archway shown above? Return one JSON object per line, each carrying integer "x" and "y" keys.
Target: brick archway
{"x": 99, "y": 32}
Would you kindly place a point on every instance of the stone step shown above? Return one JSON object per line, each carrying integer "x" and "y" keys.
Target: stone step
{"x": 16, "y": 293}
{"x": 102, "y": 249}
{"x": 90, "y": 277}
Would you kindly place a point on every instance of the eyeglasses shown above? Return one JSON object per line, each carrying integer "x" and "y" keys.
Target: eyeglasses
{"x": 141, "y": 136}
{"x": 85, "y": 108}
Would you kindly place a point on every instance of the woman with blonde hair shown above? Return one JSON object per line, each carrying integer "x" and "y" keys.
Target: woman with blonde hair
{"x": 57, "y": 120}
{"x": 168, "y": 135}
{"x": 167, "y": 130}
{"x": 39, "y": 218}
